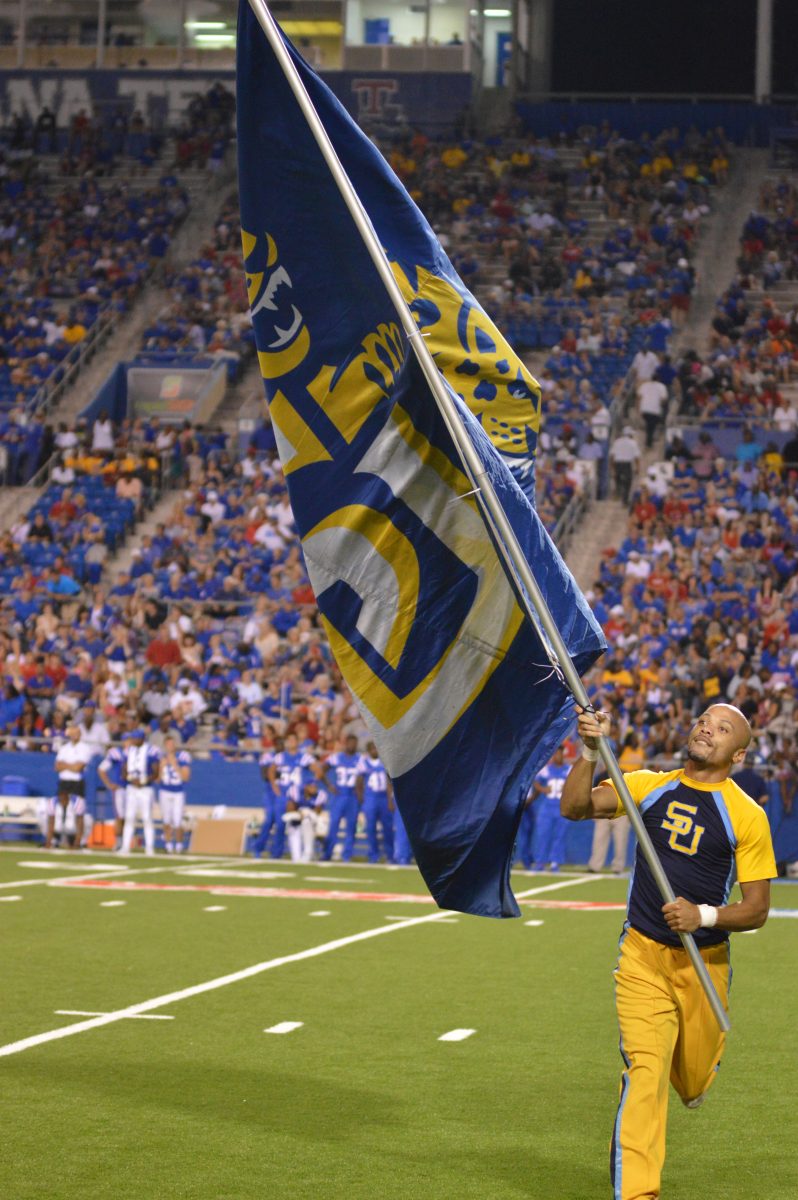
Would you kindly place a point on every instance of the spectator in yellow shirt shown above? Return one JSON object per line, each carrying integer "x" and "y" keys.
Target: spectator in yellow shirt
{"x": 453, "y": 157}
{"x": 720, "y": 168}
{"x": 74, "y": 332}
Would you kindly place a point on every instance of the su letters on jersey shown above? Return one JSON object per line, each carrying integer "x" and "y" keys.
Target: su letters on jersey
{"x": 451, "y": 679}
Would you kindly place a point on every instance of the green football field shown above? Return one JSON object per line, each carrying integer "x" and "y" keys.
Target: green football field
{"x": 170, "y": 982}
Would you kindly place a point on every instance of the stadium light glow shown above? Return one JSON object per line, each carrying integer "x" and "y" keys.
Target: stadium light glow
{"x": 206, "y": 25}
{"x": 217, "y": 38}
{"x": 498, "y": 12}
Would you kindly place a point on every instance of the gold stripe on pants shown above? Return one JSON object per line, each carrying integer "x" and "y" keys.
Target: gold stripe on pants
{"x": 668, "y": 1034}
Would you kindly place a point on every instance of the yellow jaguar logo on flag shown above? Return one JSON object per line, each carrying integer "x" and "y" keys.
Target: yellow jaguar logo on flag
{"x": 476, "y": 360}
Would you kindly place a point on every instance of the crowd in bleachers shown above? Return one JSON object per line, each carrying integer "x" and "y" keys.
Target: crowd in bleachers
{"x": 588, "y": 295}
{"x": 700, "y": 603}
{"x": 700, "y": 599}
{"x": 213, "y": 633}
{"x": 67, "y": 257}
{"x": 225, "y": 574}
{"x": 216, "y": 608}
{"x": 517, "y": 203}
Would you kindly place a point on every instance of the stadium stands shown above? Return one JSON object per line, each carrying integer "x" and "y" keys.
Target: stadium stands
{"x": 213, "y": 632}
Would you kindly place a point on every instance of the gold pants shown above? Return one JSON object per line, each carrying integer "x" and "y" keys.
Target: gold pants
{"x": 668, "y": 1034}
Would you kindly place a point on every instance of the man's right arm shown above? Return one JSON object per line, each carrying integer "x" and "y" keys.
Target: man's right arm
{"x": 580, "y": 801}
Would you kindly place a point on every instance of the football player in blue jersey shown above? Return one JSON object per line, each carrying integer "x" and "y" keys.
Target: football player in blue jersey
{"x": 551, "y": 828}
{"x": 526, "y": 830}
{"x": 269, "y": 798}
{"x": 402, "y": 850}
{"x": 290, "y": 770}
{"x": 705, "y": 830}
{"x": 377, "y": 805}
{"x": 344, "y": 783}
{"x": 174, "y": 772}
{"x": 112, "y": 776}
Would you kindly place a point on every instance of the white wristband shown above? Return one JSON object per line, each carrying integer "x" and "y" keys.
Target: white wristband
{"x": 708, "y": 914}
{"x": 589, "y": 755}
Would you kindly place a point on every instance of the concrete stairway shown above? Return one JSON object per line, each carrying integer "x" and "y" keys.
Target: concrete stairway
{"x": 244, "y": 399}
{"x": 15, "y": 502}
{"x": 126, "y": 338}
{"x": 158, "y": 515}
{"x": 718, "y": 247}
{"x": 605, "y": 526}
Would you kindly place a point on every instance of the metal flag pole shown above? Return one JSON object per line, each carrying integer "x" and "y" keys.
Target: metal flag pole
{"x": 514, "y": 558}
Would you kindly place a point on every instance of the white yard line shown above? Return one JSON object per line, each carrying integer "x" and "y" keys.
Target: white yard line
{"x": 285, "y": 1027}
{"x": 82, "y": 1012}
{"x": 574, "y": 881}
{"x": 164, "y": 864}
{"x": 230, "y": 873}
{"x": 212, "y": 985}
{"x": 44, "y": 865}
{"x": 335, "y": 879}
{"x": 456, "y": 1035}
{"x": 47, "y": 881}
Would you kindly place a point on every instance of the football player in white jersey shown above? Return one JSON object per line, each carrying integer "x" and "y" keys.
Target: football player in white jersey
{"x": 141, "y": 771}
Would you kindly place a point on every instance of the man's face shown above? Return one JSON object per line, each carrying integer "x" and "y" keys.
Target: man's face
{"x": 350, "y": 745}
{"x": 719, "y": 737}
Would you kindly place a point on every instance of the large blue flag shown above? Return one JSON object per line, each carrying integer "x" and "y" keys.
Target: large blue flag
{"x": 453, "y": 682}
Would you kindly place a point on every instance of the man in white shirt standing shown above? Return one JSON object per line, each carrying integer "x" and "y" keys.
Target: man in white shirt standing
{"x": 102, "y": 434}
{"x": 652, "y": 402}
{"x": 93, "y": 730}
{"x": 141, "y": 771}
{"x": 624, "y": 453}
{"x": 644, "y": 365}
{"x": 70, "y": 766}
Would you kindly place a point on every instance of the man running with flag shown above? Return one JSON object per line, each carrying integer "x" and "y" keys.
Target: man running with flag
{"x": 705, "y": 830}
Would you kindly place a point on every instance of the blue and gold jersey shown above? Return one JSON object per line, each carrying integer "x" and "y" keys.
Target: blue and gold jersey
{"x": 703, "y": 833}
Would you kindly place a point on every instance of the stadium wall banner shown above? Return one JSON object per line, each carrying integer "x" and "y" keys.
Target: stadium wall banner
{"x": 744, "y": 123}
{"x": 423, "y": 99}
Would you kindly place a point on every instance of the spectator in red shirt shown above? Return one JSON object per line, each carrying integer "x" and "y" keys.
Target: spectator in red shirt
{"x": 163, "y": 651}
{"x": 64, "y": 508}
{"x": 645, "y": 509}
